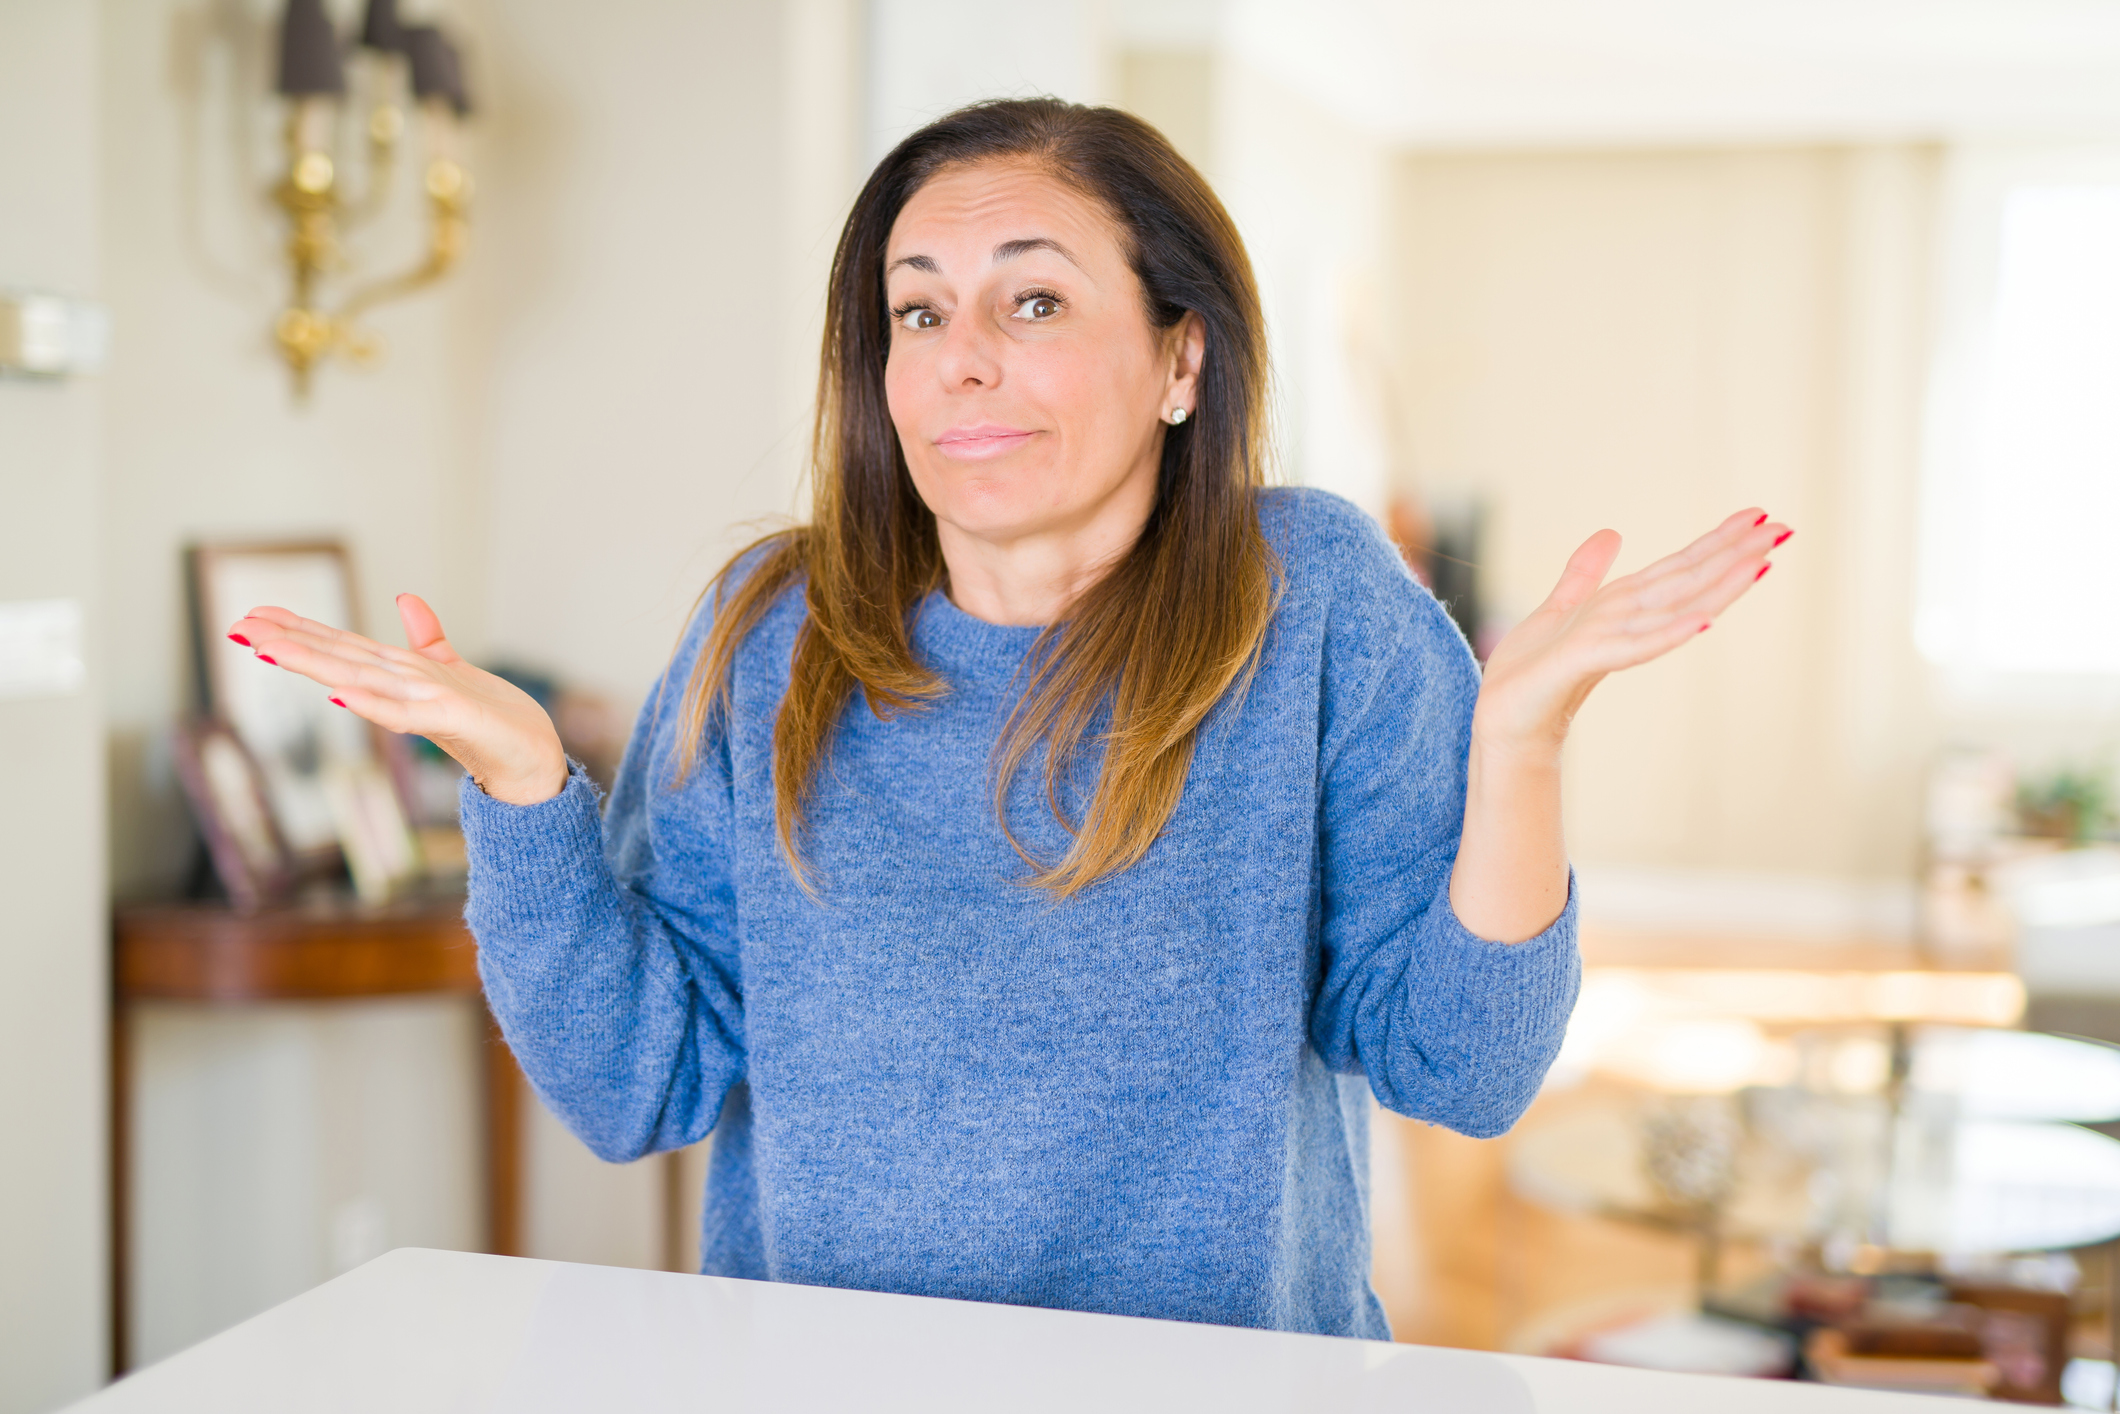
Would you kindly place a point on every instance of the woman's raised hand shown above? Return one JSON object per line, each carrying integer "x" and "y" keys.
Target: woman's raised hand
{"x": 494, "y": 729}
{"x": 1539, "y": 674}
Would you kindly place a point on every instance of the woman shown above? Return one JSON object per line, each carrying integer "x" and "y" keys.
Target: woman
{"x": 1026, "y": 869}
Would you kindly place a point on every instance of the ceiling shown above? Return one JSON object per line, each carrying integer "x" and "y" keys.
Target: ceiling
{"x": 1653, "y": 71}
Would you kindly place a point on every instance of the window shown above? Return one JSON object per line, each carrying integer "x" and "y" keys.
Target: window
{"x": 2021, "y": 553}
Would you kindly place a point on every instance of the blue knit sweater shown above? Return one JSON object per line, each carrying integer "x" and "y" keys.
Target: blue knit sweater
{"x": 1151, "y": 1099}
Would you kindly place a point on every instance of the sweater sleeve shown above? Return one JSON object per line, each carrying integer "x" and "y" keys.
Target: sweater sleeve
{"x": 608, "y": 945}
{"x": 1448, "y": 1027}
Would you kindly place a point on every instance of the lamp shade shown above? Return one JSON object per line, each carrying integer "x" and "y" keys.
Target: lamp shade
{"x": 381, "y": 28}
{"x": 309, "y": 52}
{"x": 437, "y": 68}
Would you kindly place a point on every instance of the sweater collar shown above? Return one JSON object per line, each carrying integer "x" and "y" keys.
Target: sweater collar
{"x": 967, "y": 649}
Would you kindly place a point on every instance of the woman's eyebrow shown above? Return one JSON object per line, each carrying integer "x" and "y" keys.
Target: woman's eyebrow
{"x": 1007, "y": 250}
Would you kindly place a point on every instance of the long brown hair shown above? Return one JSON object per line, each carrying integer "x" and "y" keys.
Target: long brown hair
{"x": 1165, "y": 634}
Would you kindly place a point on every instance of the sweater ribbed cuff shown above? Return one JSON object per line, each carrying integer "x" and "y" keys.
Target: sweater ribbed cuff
{"x": 527, "y": 860}
{"x": 1455, "y": 948}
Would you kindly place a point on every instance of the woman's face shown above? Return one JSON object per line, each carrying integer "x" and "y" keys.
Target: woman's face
{"x": 1026, "y": 382}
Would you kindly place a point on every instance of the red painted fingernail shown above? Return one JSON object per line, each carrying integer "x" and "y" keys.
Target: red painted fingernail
{"x": 268, "y": 659}
{"x": 1705, "y": 627}
{"x": 1761, "y": 521}
{"x": 1762, "y": 573}
{"x": 337, "y": 700}
{"x": 239, "y": 638}
{"x": 1783, "y": 537}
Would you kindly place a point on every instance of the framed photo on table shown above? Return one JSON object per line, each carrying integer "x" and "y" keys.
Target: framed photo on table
{"x": 227, "y": 793}
{"x": 334, "y": 783}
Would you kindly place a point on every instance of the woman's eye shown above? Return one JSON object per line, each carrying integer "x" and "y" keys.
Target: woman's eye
{"x": 1036, "y": 307}
{"x": 920, "y": 318}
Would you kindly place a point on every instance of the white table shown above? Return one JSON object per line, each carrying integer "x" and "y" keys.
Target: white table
{"x": 449, "y": 1331}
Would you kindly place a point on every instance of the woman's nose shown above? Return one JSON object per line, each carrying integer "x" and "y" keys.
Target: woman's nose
{"x": 969, "y": 356}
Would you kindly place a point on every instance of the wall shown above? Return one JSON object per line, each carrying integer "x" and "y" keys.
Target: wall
{"x": 661, "y": 189}
{"x": 1309, "y": 192}
{"x": 926, "y": 57}
{"x": 52, "y": 975}
{"x": 1650, "y": 340}
{"x": 1174, "y": 89}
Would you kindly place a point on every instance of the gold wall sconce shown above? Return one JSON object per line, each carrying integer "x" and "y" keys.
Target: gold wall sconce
{"x": 393, "y": 62}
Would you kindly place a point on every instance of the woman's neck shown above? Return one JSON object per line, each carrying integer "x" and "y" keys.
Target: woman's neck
{"x": 1029, "y": 578}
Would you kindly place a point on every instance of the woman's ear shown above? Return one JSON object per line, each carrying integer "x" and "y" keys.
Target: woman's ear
{"x": 1187, "y": 342}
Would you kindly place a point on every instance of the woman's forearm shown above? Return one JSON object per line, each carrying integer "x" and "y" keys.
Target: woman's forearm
{"x": 625, "y": 1025}
{"x": 1511, "y": 878}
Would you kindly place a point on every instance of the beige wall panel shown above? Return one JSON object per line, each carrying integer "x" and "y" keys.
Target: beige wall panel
{"x": 1650, "y": 340}
{"x": 1173, "y": 89}
{"x": 634, "y": 296}
{"x": 53, "y": 1335}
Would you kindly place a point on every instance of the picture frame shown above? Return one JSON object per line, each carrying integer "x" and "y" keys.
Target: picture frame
{"x": 382, "y": 852}
{"x": 227, "y": 791}
{"x": 298, "y": 738}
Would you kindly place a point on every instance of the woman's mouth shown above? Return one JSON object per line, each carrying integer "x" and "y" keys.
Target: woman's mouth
{"x": 980, "y": 442}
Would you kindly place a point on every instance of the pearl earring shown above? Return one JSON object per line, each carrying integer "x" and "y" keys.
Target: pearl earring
{"x": 1175, "y": 416}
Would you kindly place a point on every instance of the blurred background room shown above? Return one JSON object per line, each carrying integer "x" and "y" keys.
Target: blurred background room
{"x": 516, "y": 305}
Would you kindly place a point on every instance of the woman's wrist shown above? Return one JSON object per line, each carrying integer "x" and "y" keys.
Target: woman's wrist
{"x": 1515, "y": 750}
{"x": 531, "y": 785}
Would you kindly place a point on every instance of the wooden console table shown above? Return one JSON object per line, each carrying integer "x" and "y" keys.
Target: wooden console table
{"x": 326, "y": 949}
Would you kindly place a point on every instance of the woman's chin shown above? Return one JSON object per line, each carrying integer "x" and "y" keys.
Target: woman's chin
{"x": 998, "y": 525}
{"x": 997, "y": 508}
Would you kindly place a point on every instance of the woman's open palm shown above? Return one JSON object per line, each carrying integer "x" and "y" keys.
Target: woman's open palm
{"x": 1539, "y": 674}
{"x": 494, "y": 729}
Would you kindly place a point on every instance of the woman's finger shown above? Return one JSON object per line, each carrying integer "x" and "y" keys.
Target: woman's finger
{"x": 1636, "y": 639}
{"x": 1748, "y": 552}
{"x": 1729, "y": 530}
{"x": 1586, "y": 570}
{"x": 1674, "y": 581}
{"x": 287, "y": 619}
{"x": 1735, "y": 579}
{"x": 385, "y": 712}
{"x": 335, "y": 670}
{"x": 1639, "y": 621}
{"x": 274, "y": 614}
{"x": 1649, "y": 621}
{"x": 1732, "y": 531}
{"x": 358, "y": 651}
{"x": 270, "y": 623}
{"x": 1633, "y": 651}
{"x": 268, "y": 642}
{"x": 423, "y": 629}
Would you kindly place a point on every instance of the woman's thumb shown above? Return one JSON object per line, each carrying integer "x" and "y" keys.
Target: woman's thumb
{"x": 1586, "y": 570}
{"x": 422, "y": 629}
